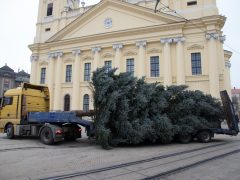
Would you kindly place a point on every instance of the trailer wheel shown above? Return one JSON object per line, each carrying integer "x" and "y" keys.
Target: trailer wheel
{"x": 47, "y": 136}
{"x": 204, "y": 136}
{"x": 184, "y": 139}
{"x": 10, "y": 131}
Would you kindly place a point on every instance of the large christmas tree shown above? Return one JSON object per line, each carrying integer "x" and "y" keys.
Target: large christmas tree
{"x": 131, "y": 111}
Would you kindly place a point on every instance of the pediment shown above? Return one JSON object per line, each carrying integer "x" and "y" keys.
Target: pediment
{"x": 87, "y": 58}
{"x": 112, "y": 16}
{"x": 107, "y": 55}
{"x": 154, "y": 50}
{"x": 130, "y": 53}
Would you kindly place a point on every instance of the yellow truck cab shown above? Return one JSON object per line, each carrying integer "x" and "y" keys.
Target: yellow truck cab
{"x": 24, "y": 111}
{"x": 16, "y": 104}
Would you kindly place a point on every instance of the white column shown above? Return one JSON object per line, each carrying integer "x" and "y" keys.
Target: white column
{"x": 57, "y": 89}
{"x": 76, "y": 80}
{"x": 213, "y": 65}
{"x": 227, "y": 78}
{"x": 141, "y": 63}
{"x": 96, "y": 52}
{"x": 118, "y": 57}
{"x": 221, "y": 50}
{"x": 167, "y": 61}
{"x": 180, "y": 60}
{"x": 50, "y": 80}
{"x": 33, "y": 77}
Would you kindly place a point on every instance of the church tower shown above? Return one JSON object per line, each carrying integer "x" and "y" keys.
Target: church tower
{"x": 190, "y": 9}
{"x": 53, "y": 15}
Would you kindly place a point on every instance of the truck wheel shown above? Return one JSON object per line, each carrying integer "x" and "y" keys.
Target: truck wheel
{"x": 204, "y": 136}
{"x": 184, "y": 139}
{"x": 47, "y": 136}
{"x": 10, "y": 131}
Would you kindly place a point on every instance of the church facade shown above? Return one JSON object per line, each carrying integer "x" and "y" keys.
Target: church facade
{"x": 182, "y": 43}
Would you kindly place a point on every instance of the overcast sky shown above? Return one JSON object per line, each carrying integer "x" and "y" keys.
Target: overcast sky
{"x": 17, "y": 31}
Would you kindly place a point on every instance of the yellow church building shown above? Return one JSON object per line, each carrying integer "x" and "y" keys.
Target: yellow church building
{"x": 182, "y": 43}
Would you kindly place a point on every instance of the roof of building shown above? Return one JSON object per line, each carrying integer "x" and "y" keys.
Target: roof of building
{"x": 22, "y": 73}
{"x": 20, "y": 76}
{"x": 6, "y": 68}
{"x": 235, "y": 91}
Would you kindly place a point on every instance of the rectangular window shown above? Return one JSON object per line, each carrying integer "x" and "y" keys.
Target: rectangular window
{"x": 130, "y": 66}
{"x": 108, "y": 65}
{"x": 192, "y": 3}
{"x": 49, "y": 9}
{"x": 154, "y": 61}
{"x": 43, "y": 76}
{"x": 86, "y": 103}
{"x": 6, "y": 84}
{"x": 196, "y": 63}
{"x": 87, "y": 71}
{"x": 68, "y": 73}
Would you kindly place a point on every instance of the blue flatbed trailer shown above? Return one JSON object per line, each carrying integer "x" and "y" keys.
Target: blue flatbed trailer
{"x": 53, "y": 127}
{"x": 57, "y": 117}
{"x": 61, "y": 118}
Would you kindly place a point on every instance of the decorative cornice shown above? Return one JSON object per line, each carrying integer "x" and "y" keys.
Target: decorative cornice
{"x": 179, "y": 39}
{"x": 59, "y": 54}
{"x": 117, "y": 46}
{"x": 50, "y": 55}
{"x": 215, "y": 36}
{"x": 96, "y": 49}
{"x": 142, "y": 43}
{"x": 76, "y": 52}
{"x": 34, "y": 57}
{"x": 166, "y": 40}
{"x": 195, "y": 47}
{"x": 227, "y": 54}
{"x": 173, "y": 40}
{"x": 55, "y": 54}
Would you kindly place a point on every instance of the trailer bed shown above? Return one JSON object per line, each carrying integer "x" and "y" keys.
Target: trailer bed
{"x": 61, "y": 118}
{"x": 53, "y": 117}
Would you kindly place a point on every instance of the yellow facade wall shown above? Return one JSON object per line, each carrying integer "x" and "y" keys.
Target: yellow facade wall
{"x": 81, "y": 36}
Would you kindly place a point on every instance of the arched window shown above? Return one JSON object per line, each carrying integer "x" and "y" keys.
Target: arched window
{"x": 67, "y": 102}
{"x": 86, "y": 103}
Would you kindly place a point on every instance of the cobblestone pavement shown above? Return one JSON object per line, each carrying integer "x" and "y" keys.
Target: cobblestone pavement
{"x": 28, "y": 158}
